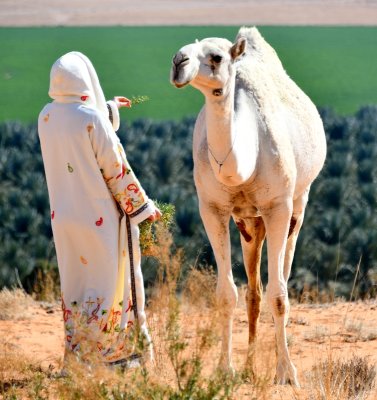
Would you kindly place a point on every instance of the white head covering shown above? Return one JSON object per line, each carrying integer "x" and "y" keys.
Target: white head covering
{"x": 73, "y": 79}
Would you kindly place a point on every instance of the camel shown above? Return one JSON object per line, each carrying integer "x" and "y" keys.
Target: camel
{"x": 258, "y": 145}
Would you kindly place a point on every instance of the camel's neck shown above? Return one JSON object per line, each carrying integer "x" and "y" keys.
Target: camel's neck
{"x": 232, "y": 135}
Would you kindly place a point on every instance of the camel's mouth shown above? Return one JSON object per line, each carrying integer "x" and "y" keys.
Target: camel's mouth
{"x": 180, "y": 85}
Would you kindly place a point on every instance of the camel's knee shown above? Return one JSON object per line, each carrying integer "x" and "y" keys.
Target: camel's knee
{"x": 279, "y": 305}
{"x": 227, "y": 295}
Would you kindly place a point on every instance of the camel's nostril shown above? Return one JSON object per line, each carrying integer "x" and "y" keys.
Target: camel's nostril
{"x": 180, "y": 59}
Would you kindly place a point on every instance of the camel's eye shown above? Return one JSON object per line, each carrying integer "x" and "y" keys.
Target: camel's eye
{"x": 216, "y": 58}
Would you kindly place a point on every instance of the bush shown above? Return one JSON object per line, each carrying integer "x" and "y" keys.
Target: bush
{"x": 340, "y": 223}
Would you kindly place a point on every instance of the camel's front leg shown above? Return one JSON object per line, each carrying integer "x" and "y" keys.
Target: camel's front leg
{"x": 216, "y": 223}
{"x": 277, "y": 222}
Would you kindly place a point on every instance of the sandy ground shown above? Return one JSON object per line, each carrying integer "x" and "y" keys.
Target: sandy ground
{"x": 188, "y": 12}
{"x": 315, "y": 332}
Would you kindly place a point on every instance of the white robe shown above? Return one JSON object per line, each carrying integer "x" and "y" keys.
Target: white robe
{"x": 89, "y": 180}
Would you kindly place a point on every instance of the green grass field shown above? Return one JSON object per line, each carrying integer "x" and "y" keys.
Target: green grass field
{"x": 336, "y": 66}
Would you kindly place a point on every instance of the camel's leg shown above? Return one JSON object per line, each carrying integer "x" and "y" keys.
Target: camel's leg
{"x": 253, "y": 234}
{"x": 297, "y": 219}
{"x": 294, "y": 228}
{"x": 216, "y": 223}
{"x": 277, "y": 221}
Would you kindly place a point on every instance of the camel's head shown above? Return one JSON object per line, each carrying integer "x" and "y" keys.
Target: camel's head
{"x": 206, "y": 65}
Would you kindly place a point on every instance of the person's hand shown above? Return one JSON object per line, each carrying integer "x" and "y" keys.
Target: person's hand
{"x": 121, "y": 101}
{"x": 155, "y": 216}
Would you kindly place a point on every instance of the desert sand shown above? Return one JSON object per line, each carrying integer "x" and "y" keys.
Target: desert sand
{"x": 189, "y": 12}
{"x": 316, "y": 332}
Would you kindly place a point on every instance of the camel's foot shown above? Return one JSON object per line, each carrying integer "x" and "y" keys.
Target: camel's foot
{"x": 63, "y": 373}
{"x": 226, "y": 368}
{"x": 250, "y": 366}
{"x": 148, "y": 355}
{"x": 286, "y": 373}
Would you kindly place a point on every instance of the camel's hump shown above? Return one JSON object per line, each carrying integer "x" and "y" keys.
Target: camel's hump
{"x": 258, "y": 46}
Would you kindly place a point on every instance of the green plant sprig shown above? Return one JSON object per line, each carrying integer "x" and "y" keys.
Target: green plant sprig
{"x": 138, "y": 99}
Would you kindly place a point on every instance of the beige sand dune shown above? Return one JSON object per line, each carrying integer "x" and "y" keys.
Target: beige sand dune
{"x": 189, "y": 12}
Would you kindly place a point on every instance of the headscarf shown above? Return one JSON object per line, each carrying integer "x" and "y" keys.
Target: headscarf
{"x": 73, "y": 79}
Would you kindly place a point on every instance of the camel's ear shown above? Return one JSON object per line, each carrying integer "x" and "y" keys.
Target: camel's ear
{"x": 238, "y": 48}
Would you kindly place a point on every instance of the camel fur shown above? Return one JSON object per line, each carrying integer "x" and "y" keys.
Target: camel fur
{"x": 258, "y": 145}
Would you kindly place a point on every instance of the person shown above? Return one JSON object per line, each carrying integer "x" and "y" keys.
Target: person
{"x": 96, "y": 205}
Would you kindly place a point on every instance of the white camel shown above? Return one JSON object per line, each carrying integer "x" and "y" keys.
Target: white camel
{"x": 258, "y": 145}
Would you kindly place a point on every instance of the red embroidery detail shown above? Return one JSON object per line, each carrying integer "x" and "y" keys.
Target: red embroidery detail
{"x": 94, "y": 313}
{"x": 69, "y": 338}
{"x": 66, "y": 313}
{"x": 129, "y": 306}
{"x": 124, "y": 170}
{"x": 52, "y": 214}
{"x": 133, "y": 188}
{"x": 129, "y": 207}
{"x": 129, "y": 323}
{"x": 84, "y": 98}
{"x": 99, "y": 222}
{"x": 115, "y": 316}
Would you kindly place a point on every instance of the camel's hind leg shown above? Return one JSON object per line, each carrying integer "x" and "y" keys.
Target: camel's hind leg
{"x": 253, "y": 234}
{"x": 297, "y": 219}
{"x": 294, "y": 229}
{"x": 277, "y": 219}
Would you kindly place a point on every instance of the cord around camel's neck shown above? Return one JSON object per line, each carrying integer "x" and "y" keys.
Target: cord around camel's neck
{"x": 231, "y": 134}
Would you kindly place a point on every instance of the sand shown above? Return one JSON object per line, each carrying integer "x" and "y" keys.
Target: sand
{"x": 316, "y": 332}
{"x": 188, "y": 12}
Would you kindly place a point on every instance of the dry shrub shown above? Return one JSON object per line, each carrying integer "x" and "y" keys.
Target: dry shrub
{"x": 310, "y": 295}
{"x": 46, "y": 285}
{"x": 200, "y": 288}
{"x": 183, "y": 339}
{"x": 342, "y": 380}
{"x": 14, "y": 304}
{"x": 19, "y": 376}
{"x": 356, "y": 331}
{"x": 319, "y": 335}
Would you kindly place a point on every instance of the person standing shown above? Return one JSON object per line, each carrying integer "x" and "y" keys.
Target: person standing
{"x": 96, "y": 205}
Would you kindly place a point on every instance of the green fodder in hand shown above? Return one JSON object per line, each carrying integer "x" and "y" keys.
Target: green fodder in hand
{"x": 138, "y": 99}
{"x": 148, "y": 238}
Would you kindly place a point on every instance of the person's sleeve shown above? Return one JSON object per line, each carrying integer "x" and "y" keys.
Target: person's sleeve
{"x": 118, "y": 174}
{"x": 113, "y": 114}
